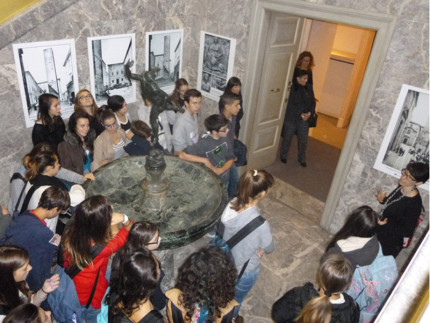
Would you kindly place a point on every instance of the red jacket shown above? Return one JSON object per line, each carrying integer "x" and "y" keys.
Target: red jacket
{"x": 84, "y": 281}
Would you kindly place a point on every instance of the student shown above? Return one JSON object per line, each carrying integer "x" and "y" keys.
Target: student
{"x": 326, "y": 304}
{"x": 29, "y": 231}
{"x": 118, "y": 105}
{"x": 185, "y": 129}
{"x": 28, "y": 313}
{"x": 230, "y": 107}
{"x": 234, "y": 85}
{"x": 85, "y": 102}
{"x": 213, "y": 150}
{"x": 140, "y": 136}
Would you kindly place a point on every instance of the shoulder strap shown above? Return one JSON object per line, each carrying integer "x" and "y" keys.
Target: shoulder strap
{"x": 247, "y": 229}
{"x": 74, "y": 270}
{"x": 28, "y": 197}
{"x": 19, "y": 176}
{"x": 93, "y": 290}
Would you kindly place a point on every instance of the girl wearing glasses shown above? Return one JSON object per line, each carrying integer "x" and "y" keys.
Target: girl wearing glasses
{"x": 401, "y": 209}
{"x": 86, "y": 103}
{"x": 110, "y": 144}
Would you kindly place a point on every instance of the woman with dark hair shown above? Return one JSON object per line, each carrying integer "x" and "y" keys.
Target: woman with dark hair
{"x": 233, "y": 86}
{"x": 14, "y": 268}
{"x": 110, "y": 144}
{"x": 49, "y": 126}
{"x": 328, "y": 303}
{"x": 88, "y": 244}
{"x": 118, "y": 105}
{"x": 300, "y": 106}
{"x": 28, "y": 313}
{"x": 85, "y": 102}
{"x": 76, "y": 151}
{"x": 305, "y": 62}
{"x": 131, "y": 286}
{"x": 177, "y": 97}
{"x": 357, "y": 240}
{"x": 401, "y": 209}
{"x": 253, "y": 188}
{"x": 204, "y": 289}
{"x": 41, "y": 169}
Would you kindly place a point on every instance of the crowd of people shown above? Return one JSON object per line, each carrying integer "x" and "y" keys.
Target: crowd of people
{"x": 99, "y": 266}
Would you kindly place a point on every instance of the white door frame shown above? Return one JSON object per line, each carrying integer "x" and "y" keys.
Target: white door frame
{"x": 384, "y": 26}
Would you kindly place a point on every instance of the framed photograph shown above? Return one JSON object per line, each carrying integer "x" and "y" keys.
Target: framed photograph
{"x": 407, "y": 135}
{"x": 216, "y": 61}
{"x": 164, "y": 52}
{"x": 107, "y": 57}
{"x": 46, "y": 67}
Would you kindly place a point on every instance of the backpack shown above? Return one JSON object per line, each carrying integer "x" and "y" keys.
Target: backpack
{"x": 371, "y": 285}
{"x": 15, "y": 184}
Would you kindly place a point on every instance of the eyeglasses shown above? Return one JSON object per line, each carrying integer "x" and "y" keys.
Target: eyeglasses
{"x": 406, "y": 173}
{"x": 86, "y": 97}
{"x": 111, "y": 126}
{"x": 155, "y": 242}
{"x": 224, "y": 129}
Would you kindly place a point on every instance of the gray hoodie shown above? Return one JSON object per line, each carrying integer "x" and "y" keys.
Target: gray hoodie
{"x": 247, "y": 248}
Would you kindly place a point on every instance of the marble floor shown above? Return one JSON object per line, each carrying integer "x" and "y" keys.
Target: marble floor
{"x": 294, "y": 219}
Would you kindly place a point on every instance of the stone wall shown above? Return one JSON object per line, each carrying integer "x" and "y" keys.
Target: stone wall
{"x": 406, "y": 62}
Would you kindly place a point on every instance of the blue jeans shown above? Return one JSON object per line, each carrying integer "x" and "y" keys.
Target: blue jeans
{"x": 90, "y": 314}
{"x": 233, "y": 179}
{"x": 243, "y": 286}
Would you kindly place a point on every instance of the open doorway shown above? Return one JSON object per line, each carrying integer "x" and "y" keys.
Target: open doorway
{"x": 341, "y": 53}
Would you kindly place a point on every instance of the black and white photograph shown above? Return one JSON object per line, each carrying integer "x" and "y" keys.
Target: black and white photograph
{"x": 107, "y": 57}
{"x": 164, "y": 53}
{"x": 407, "y": 135}
{"x": 216, "y": 62}
{"x": 46, "y": 67}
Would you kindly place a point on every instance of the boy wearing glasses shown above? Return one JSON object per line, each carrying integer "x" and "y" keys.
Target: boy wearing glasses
{"x": 213, "y": 150}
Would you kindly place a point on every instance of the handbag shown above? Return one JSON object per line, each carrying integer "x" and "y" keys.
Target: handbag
{"x": 227, "y": 246}
{"x": 240, "y": 151}
{"x": 312, "y": 121}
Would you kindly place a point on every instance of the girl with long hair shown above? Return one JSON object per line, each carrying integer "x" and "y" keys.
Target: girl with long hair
{"x": 88, "y": 243}
{"x": 177, "y": 96}
{"x": 131, "y": 286}
{"x": 49, "y": 126}
{"x": 234, "y": 85}
{"x": 14, "y": 268}
{"x": 326, "y": 304}
{"x": 76, "y": 151}
{"x": 253, "y": 188}
{"x": 118, "y": 105}
{"x": 305, "y": 62}
{"x": 28, "y": 313}
{"x": 204, "y": 290}
{"x": 357, "y": 240}
{"x": 110, "y": 144}
{"x": 42, "y": 166}
{"x": 85, "y": 102}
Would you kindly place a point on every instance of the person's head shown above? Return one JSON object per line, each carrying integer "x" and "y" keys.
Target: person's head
{"x": 143, "y": 235}
{"x": 206, "y": 277}
{"x": 416, "y": 173}
{"x": 28, "y": 313}
{"x": 334, "y": 276}
{"x": 117, "y": 104}
{"x": 90, "y": 224}
{"x": 361, "y": 222}
{"x": 305, "y": 61}
{"x": 14, "y": 269}
{"x": 55, "y": 199}
{"x": 230, "y": 103}
{"x": 133, "y": 283}
{"x": 79, "y": 125}
{"x": 253, "y": 187}
{"x": 302, "y": 77}
{"x": 140, "y": 129}
{"x": 85, "y": 102}
{"x": 218, "y": 124}
{"x": 107, "y": 118}
{"x": 181, "y": 86}
{"x": 41, "y": 161}
{"x": 233, "y": 85}
{"x": 193, "y": 101}
{"x": 49, "y": 109}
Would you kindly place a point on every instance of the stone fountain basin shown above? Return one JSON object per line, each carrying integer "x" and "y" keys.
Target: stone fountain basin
{"x": 195, "y": 199}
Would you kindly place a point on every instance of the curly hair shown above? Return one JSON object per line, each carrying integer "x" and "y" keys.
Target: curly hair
{"x": 207, "y": 278}
{"x": 134, "y": 283}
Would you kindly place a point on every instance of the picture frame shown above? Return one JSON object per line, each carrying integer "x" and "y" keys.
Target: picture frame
{"x": 407, "y": 135}
{"x": 216, "y": 62}
{"x": 107, "y": 57}
{"x": 46, "y": 67}
{"x": 164, "y": 50}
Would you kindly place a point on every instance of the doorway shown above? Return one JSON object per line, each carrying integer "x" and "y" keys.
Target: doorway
{"x": 382, "y": 24}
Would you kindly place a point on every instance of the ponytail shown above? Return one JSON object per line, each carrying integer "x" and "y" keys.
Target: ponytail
{"x": 36, "y": 162}
{"x": 316, "y": 310}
